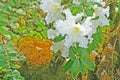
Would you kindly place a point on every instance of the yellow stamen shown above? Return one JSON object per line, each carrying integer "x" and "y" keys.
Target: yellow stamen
{"x": 76, "y": 29}
{"x": 55, "y": 8}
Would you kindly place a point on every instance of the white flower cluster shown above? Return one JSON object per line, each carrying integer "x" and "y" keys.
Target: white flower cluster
{"x": 74, "y": 28}
{"x": 53, "y": 9}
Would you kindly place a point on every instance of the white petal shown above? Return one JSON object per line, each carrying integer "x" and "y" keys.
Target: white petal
{"x": 102, "y": 13}
{"x": 56, "y": 46}
{"x": 52, "y": 33}
{"x": 70, "y": 17}
{"x": 83, "y": 42}
{"x": 53, "y": 9}
{"x": 68, "y": 41}
{"x": 65, "y": 52}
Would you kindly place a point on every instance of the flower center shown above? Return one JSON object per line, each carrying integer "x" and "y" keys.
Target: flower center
{"x": 55, "y": 8}
{"x": 76, "y": 29}
{"x": 96, "y": 12}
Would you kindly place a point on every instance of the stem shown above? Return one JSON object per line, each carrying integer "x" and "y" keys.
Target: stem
{"x": 114, "y": 45}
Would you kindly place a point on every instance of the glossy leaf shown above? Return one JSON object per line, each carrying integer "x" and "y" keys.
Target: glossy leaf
{"x": 68, "y": 66}
{"x": 59, "y": 38}
{"x": 82, "y": 52}
{"x": 88, "y": 63}
{"x": 76, "y": 9}
{"x": 72, "y": 53}
{"x": 89, "y": 11}
{"x": 75, "y": 69}
{"x": 82, "y": 67}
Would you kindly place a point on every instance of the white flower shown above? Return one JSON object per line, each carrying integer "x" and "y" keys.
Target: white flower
{"x": 77, "y": 2}
{"x": 53, "y": 9}
{"x": 74, "y": 32}
{"x": 70, "y": 17}
{"x": 102, "y": 13}
{"x": 52, "y": 33}
{"x": 59, "y": 46}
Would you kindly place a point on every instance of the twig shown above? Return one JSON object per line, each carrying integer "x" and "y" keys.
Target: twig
{"x": 114, "y": 45}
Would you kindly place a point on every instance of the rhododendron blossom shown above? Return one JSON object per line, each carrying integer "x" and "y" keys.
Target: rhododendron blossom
{"x": 102, "y": 13}
{"x": 75, "y": 32}
{"x": 77, "y": 2}
{"x": 53, "y": 9}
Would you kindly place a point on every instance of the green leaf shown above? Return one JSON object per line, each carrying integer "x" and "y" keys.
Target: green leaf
{"x": 82, "y": 52}
{"x": 59, "y": 38}
{"x": 75, "y": 69}
{"x": 81, "y": 1}
{"x": 93, "y": 3}
{"x": 72, "y": 53}
{"x": 98, "y": 37}
{"x": 2, "y": 5}
{"x": 44, "y": 33}
{"x": 82, "y": 67}
{"x": 66, "y": 1}
{"x": 88, "y": 11}
{"x": 93, "y": 45}
{"x": 119, "y": 7}
{"x": 85, "y": 52}
{"x": 68, "y": 66}
{"x": 88, "y": 63}
{"x": 3, "y": 59}
{"x": 76, "y": 9}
